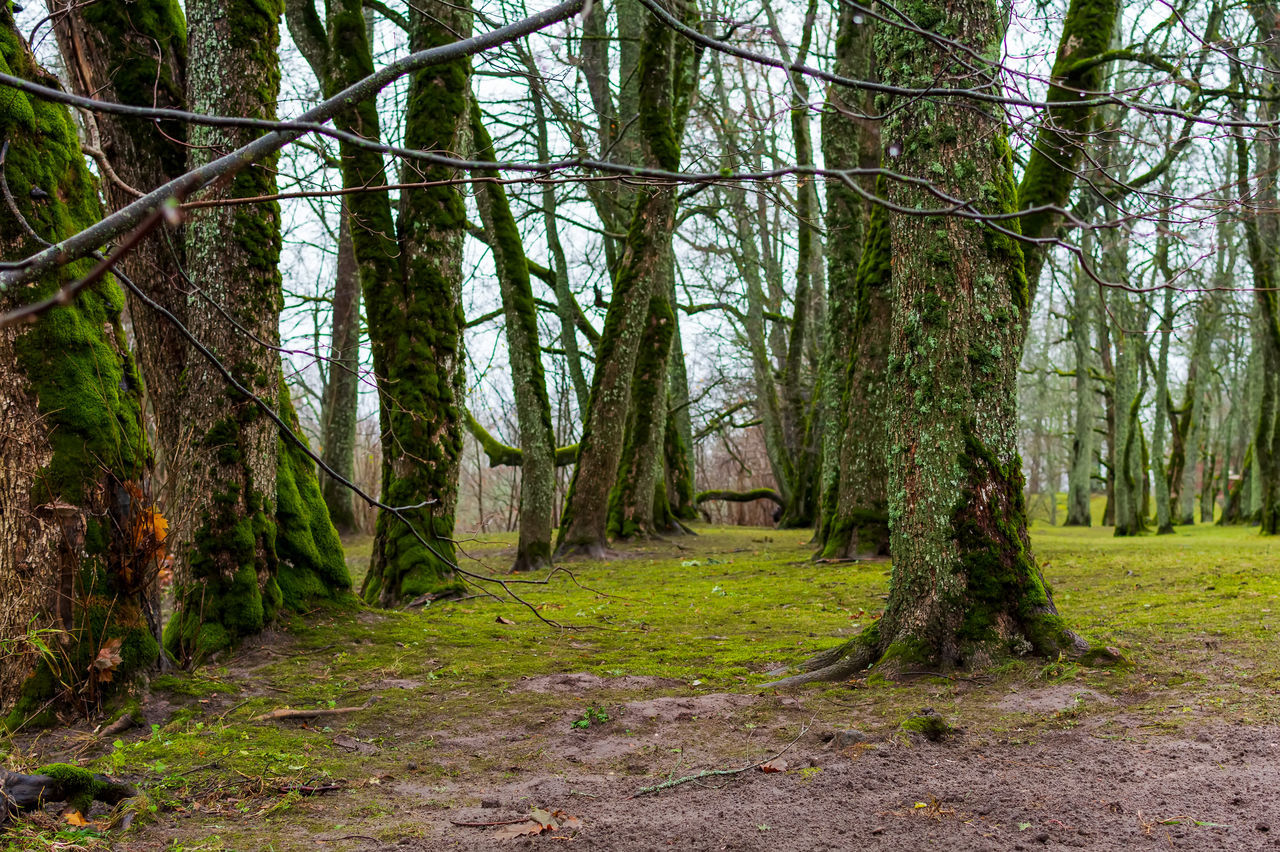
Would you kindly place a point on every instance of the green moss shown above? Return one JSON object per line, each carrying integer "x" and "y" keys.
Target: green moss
{"x": 89, "y": 392}
{"x": 77, "y": 786}
{"x": 412, "y": 294}
{"x": 930, "y": 725}
{"x": 311, "y": 567}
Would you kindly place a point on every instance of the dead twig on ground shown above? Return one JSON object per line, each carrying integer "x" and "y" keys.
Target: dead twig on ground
{"x": 311, "y": 713}
{"x": 717, "y": 773}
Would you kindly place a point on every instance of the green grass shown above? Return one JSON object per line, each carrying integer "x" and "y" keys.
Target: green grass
{"x": 1196, "y": 612}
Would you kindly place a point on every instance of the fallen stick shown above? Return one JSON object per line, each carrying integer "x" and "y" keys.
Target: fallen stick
{"x": 291, "y": 713}
{"x": 489, "y": 824}
{"x": 711, "y": 773}
{"x": 310, "y": 789}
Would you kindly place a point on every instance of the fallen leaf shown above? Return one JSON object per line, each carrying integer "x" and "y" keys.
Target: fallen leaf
{"x": 543, "y": 818}
{"x": 352, "y": 744}
{"x": 775, "y": 765}
{"x": 921, "y": 805}
{"x": 520, "y": 829}
{"x": 501, "y": 620}
{"x": 74, "y": 817}
{"x": 108, "y": 658}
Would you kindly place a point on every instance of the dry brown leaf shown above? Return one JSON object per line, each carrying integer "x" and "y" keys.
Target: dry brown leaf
{"x": 520, "y": 829}
{"x": 108, "y": 658}
{"x": 501, "y": 620}
{"x": 775, "y": 765}
{"x": 74, "y": 817}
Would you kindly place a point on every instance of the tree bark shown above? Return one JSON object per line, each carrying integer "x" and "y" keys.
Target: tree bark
{"x": 533, "y": 407}
{"x": 856, "y": 333}
{"x": 965, "y": 587}
{"x": 339, "y": 411}
{"x": 1084, "y": 440}
{"x": 77, "y": 542}
{"x": 584, "y": 523}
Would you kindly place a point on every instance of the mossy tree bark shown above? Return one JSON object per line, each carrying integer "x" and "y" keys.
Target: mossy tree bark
{"x": 1061, "y": 140}
{"x": 584, "y": 523}
{"x": 533, "y": 406}
{"x": 639, "y": 502}
{"x": 228, "y": 588}
{"x": 801, "y": 412}
{"x": 416, "y": 329}
{"x": 410, "y": 275}
{"x": 338, "y": 414}
{"x": 137, "y": 54}
{"x": 851, "y": 381}
{"x": 75, "y": 555}
{"x": 1261, "y": 233}
{"x": 965, "y": 587}
{"x": 1084, "y": 444}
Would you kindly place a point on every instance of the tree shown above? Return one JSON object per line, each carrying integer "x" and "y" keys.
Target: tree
{"x": 77, "y": 531}
{"x": 965, "y": 586}
{"x": 584, "y": 523}
{"x": 231, "y": 476}
{"x": 339, "y": 411}
{"x": 533, "y": 407}
{"x": 411, "y": 277}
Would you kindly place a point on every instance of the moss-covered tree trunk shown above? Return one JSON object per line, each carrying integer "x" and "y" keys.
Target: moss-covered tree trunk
{"x": 137, "y": 54}
{"x": 965, "y": 587}
{"x": 846, "y": 143}
{"x": 640, "y": 471}
{"x": 1083, "y": 440}
{"x": 410, "y": 276}
{"x": 339, "y": 412}
{"x": 1061, "y": 140}
{"x": 227, "y": 588}
{"x": 76, "y": 542}
{"x": 533, "y": 407}
{"x": 415, "y": 324}
{"x": 584, "y": 522}
{"x": 1261, "y": 233}
{"x": 859, "y": 522}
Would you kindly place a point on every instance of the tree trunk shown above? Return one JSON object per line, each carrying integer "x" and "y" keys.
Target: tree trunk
{"x": 415, "y": 325}
{"x": 228, "y": 589}
{"x": 1059, "y": 150}
{"x": 77, "y": 539}
{"x": 584, "y": 523}
{"x": 856, "y": 333}
{"x": 1084, "y": 440}
{"x": 965, "y": 587}
{"x": 533, "y": 407}
{"x": 339, "y": 411}
{"x": 110, "y": 48}
{"x": 1164, "y": 515}
{"x": 860, "y": 523}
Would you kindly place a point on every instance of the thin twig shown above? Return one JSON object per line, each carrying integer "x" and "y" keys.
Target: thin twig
{"x": 713, "y": 773}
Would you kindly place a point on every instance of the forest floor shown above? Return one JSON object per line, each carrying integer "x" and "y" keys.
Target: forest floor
{"x": 473, "y": 714}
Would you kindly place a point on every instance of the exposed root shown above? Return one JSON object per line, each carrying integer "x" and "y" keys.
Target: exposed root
{"x": 839, "y": 663}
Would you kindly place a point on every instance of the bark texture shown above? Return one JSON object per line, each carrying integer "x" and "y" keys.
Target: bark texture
{"x": 533, "y": 406}
{"x": 965, "y": 587}
{"x": 75, "y": 533}
{"x": 410, "y": 276}
{"x": 341, "y": 391}
{"x": 584, "y": 522}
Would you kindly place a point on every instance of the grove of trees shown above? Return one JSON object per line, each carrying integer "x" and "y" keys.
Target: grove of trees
{"x": 276, "y": 270}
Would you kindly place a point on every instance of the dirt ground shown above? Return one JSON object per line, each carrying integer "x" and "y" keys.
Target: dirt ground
{"x": 1041, "y": 758}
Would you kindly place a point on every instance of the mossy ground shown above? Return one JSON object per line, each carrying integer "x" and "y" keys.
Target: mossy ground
{"x": 465, "y": 705}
